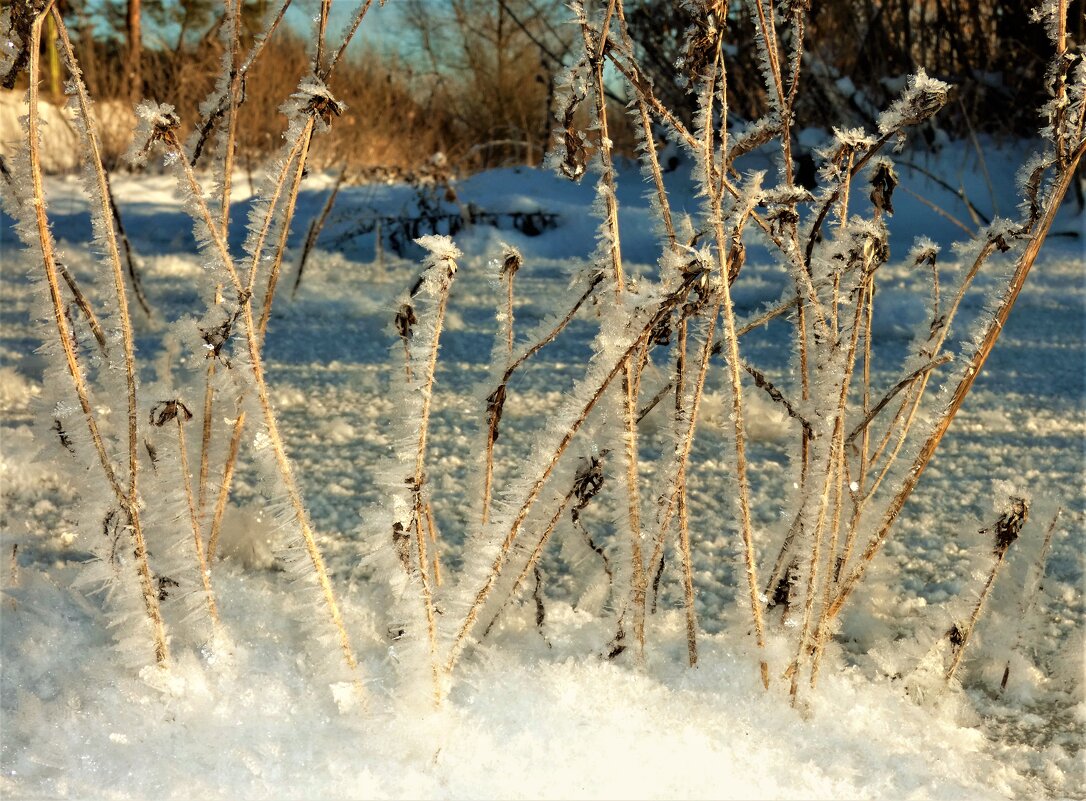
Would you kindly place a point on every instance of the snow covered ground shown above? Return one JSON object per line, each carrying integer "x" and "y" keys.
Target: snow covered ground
{"x": 539, "y": 713}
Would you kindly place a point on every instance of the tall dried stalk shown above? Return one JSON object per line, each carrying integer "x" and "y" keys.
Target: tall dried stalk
{"x": 252, "y": 346}
{"x": 421, "y": 518}
{"x": 127, "y": 497}
{"x": 661, "y": 312}
{"x": 1038, "y": 232}
{"x": 595, "y": 46}
{"x": 197, "y": 534}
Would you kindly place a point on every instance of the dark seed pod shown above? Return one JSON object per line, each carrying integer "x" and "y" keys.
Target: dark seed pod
{"x": 405, "y": 321}
{"x": 956, "y": 636}
{"x": 511, "y": 264}
{"x": 168, "y": 410}
{"x": 883, "y": 183}
{"x": 165, "y": 585}
{"x": 1009, "y": 525}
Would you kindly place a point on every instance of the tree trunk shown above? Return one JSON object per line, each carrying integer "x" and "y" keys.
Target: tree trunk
{"x": 133, "y": 66}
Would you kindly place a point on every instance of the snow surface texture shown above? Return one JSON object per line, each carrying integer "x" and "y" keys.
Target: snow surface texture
{"x": 538, "y": 714}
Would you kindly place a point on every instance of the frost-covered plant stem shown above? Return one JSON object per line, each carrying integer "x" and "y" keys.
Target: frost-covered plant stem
{"x": 302, "y": 150}
{"x": 665, "y": 308}
{"x": 496, "y": 399}
{"x": 973, "y": 367}
{"x": 221, "y": 102}
{"x": 233, "y": 22}
{"x": 271, "y": 425}
{"x": 421, "y": 517}
{"x": 594, "y": 49}
{"x": 197, "y": 534}
{"x": 1031, "y": 589}
{"x": 727, "y": 259}
{"x": 315, "y": 230}
{"x": 129, "y": 497}
{"x": 224, "y": 487}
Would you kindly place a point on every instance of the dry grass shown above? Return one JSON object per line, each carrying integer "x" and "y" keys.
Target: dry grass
{"x": 853, "y": 481}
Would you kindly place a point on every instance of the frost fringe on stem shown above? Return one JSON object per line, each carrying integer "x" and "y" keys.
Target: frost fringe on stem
{"x": 855, "y": 458}
{"x": 127, "y": 497}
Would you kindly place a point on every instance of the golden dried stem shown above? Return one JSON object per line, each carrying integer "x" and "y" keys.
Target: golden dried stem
{"x": 975, "y": 364}
{"x": 130, "y": 498}
{"x": 197, "y": 535}
{"x": 224, "y": 487}
{"x": 281, "y": 246}
{"x": 629, "y": 380}
{"x": 466, "y": 626}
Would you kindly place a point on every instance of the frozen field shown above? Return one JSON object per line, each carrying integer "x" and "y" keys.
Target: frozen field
{"x": 538, "y": 712}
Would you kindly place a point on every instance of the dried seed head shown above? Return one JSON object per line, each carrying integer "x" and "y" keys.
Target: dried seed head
{"x": 922, "y": 98}
{"x": 512, "y": 262}
{"x": 314, "y": 99}
{"x": 168, "y": 410}
{"x": 1009, "y": 525}
{"x": 883, "y": 182}
{"x": 737, "y": 255}
{"x": 405, "y": 322}
{"x": 18, "y": 36}
{"x": 956, "y": 636}
{"x": 703, "y": 38}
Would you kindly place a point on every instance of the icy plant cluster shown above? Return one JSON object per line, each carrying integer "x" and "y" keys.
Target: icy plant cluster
{"x": 156, "y": 459}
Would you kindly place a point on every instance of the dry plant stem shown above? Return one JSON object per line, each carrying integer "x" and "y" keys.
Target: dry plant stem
{"x": 322, "y": 27}
{"x": 967, "y": 633}
{"x": 234, "y": 12}
{"x": 731, "y": 345}
{"x": 197, "y": 194}
{"x": 205, "y": 433}
{"x": 488, "y": 478}
{"x": 205, "y": 439}
{"x": 688, "y": 580}
{"x": 431, "y": 530}
{"x": 768, "y": 34}
{"x": 300, "y": 146}
{"x": 863, "y": 428}
{"x": 1030, "y": 595}
{"x": 910, "y": 405}
{"x": 731, "y": 348}
{"x": 975, "y": 365}
{"x": 315, "y": 230}
{"x": 938, "y": 210}
{"x": 834, "y": 478}
{"x": 129, "y": 260}
{"x": 128, "y": 498}
{"x": 270, "y": 423}
{"x": 537, "y": 487}
{"x": 834, "y": 481}
{"x": 509, "y": 314}
{"x": 533, "y": 559}
{"x": 287, "y": 474}
{"x": 207, "y": 123}
{"x": 224, "y": 487}
{"x": 197, "y": 535}
{"x": 629, "y": 401}
{"x": 646, "y": 131}
{"x": 682, "y": 458}
{"x": 359, "y": 15}
{"x": 284, "y": 232}
{"x": 419, "y": 522}
{"x": 684, "y": 522}
{"x": 85, "y": 307}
